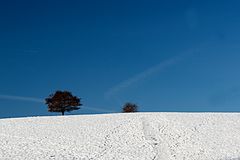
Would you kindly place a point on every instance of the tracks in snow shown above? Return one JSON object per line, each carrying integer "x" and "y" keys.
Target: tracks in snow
{"x": 152, "y": 132}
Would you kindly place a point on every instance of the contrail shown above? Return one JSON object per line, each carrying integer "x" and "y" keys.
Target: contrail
{"x": 20, "y": 98}
{"x": 98, "y": 109}
{"x": 39, "y": 100}
{"x": 143, "y": 75}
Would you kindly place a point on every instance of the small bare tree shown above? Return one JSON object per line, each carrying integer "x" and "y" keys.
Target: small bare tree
{"x": 62, "y": 101}
{"x": 129, "y": 107}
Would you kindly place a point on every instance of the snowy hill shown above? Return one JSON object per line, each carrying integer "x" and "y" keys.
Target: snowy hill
{"x": 139, "y": 136}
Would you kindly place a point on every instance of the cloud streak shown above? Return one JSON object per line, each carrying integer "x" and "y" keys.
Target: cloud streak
{"x": 143, "y": 75}
{"x": 39, "y": 100}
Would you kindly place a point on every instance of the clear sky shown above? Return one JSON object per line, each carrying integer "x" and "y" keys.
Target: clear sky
{"x": 163, "y": 55}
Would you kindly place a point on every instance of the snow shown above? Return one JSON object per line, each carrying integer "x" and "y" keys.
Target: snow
{"x": 131, "y": 136}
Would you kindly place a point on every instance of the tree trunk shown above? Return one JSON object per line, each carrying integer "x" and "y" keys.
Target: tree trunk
{"x": 62, "y": 113}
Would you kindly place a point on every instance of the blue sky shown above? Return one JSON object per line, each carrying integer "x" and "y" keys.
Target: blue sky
{"x": 162, "y": 55}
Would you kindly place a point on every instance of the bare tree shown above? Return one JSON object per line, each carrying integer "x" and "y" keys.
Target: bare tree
{"x": 62, "y": 101}
{"x": 129, "y": 107}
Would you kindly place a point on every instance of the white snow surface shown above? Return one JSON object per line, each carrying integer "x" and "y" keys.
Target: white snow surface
{"x": 130, "y": 136}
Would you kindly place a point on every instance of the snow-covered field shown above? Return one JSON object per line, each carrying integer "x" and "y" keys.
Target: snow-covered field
{"x": 137, "y": 136}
